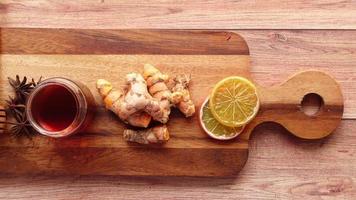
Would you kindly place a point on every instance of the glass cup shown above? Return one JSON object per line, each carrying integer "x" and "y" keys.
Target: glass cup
{"x": 60, "y": 107}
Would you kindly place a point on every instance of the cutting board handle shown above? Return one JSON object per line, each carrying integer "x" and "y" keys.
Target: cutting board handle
{"x": 289, "y": 105}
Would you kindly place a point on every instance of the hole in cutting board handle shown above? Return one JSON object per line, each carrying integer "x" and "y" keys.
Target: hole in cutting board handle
{"x": 312, "y": 104}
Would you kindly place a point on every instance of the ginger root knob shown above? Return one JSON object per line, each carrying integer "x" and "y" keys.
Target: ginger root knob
{"x": 158, "y": 134}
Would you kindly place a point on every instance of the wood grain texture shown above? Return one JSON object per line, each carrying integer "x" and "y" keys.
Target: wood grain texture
{"x": 282, "y": 104}
{"x": 102, "y": 150}
{"x": 2, "y": 119}
{"x": 190, "y": 151}
{"x": 102, "y": 147}
{"x": 84, "y": 41}
{"x": 276, "y": 54}
{"x": 271, "y": 50}
{"x": 280, "y": 167}
{"x": 289, "y": 175}
{"x": 195, "y": 14}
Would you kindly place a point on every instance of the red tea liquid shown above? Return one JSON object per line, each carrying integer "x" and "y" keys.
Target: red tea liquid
{"x": 54, "y": 108}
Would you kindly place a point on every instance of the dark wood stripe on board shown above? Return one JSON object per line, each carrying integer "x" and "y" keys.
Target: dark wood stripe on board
{"x": 89, "y": 41}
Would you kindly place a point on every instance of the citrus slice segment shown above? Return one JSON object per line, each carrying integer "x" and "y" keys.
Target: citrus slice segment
{"x": 213, "y": 128}
{"x": 234, "y": 101}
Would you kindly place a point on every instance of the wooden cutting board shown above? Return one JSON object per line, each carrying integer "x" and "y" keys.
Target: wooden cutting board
{"x": 209, "y": 56}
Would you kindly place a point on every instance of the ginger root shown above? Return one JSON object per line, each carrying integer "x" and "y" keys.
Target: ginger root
{"x": 158, "y": 89}
{"x": 147, "y": 97}
{"x": 169, "y": 91}
{"x": 111, "y": 96}
{"x": 180, "y": 94}
{"x": 158, "y": 134}
{"x": 134, "y": 105}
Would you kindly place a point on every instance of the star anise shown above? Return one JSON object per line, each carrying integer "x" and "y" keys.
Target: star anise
{"x": 21, "y": 126}
{"x": 14, "y": 105}
{"x": 17, "y": 105}
{"x": 21, "y": 87}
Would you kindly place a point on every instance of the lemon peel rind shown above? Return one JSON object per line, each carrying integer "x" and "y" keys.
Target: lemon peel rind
{"x": 209, "y": 133}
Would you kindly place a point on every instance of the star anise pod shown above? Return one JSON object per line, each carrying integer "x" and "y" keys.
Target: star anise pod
{"x": 14, "y": 105}
{"x": 21, "y": 126}
{"x": 17, "y": 105}
{"x": 21, "y": 87}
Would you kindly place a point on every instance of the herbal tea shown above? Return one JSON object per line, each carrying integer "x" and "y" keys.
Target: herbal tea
{"x": 54, "y": 107}
{"x": 59, "y": 107}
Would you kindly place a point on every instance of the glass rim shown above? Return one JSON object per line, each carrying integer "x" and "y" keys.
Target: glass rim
{"x": 79, "y": 96}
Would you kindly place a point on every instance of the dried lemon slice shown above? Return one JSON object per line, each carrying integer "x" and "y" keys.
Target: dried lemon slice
{"x": 213, "y": 128}
{"x": 234, "y": 101}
